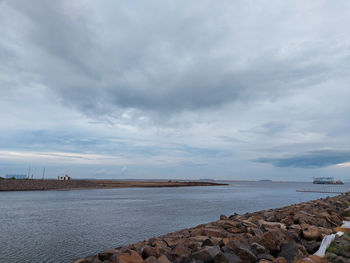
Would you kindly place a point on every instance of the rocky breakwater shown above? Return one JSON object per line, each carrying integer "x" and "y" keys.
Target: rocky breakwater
{"x": 288, "y": 234}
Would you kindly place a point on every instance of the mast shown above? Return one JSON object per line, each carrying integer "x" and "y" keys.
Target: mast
{"x": 44, "y": 173}
{"x": 28, "y": 176}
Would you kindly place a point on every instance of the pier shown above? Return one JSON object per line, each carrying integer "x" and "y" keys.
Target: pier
{"x": 327, "y": 189}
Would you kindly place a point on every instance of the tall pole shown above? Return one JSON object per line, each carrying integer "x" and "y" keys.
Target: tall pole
{"x": 28, "y": 176}
{"x": 44, "y": 173}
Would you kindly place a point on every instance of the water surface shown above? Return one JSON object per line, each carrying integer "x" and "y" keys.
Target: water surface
{"x": 59, "y": 226}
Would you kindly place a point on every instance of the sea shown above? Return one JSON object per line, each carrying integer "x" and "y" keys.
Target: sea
{"x": 60, "y": 226}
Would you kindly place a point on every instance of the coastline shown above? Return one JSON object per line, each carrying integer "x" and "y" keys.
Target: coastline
{"x": 48, "y": 184}
{"x": 288, "y": 234}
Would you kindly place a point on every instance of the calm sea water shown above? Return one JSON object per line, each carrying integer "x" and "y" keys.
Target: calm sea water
{"x": 59, "y": 226}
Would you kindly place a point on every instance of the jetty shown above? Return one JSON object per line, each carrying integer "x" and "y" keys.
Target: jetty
{"x": 327, "y": 190}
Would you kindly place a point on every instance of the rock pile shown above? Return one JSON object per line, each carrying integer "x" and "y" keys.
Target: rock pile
{"x": 284, "y": 235}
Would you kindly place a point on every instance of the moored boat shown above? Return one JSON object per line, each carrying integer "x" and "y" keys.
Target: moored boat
{"x": 326, "y": 180}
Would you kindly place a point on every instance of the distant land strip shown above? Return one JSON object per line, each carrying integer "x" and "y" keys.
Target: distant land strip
{"x": 36, "y": 184}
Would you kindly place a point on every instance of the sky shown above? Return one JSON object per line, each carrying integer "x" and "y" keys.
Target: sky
{"x": 175, "y": 89}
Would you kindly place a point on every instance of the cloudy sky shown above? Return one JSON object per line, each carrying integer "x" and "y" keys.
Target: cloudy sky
{"x": 175, "y": 89}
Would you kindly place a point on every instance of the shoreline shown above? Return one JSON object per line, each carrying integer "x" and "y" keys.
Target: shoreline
{"x": 51, "y": 184}
{"x": 283, "y": 235}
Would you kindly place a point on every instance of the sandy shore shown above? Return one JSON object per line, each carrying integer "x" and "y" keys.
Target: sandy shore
{"x": 35, "y": 185}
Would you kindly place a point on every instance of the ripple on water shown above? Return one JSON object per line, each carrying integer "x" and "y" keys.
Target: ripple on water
{"x": 59, "y": 226}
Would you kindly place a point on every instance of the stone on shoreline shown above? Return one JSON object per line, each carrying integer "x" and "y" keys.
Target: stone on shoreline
{"x": 127, "y": 257}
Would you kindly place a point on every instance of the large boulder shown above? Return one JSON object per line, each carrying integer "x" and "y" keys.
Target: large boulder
{"x": 214, "y": 232}
{"x": 280, "y": 260}
{"x": 107, "y": 254}
{"x": 258, "y": 249}
{"x": 266, "y": 224}
{"x": 198, "y": 231}
{"x": 162, "y": 247}
{"x": 127, "y": 257}
{"x": 265, "y": 257}
{"x": 313, "y": 259}
{"x": 206, "y": 254}
{"x": 273, "y": 239}
{"x": 256, "y": 232}
{"x": 139, "y": 245}
{"x": 181, "y": 251}
{"x": 312, "y": 233}
{"x": 151, "y": 259}
{"x": 311, "y": 245}
{"x": 227, "y": 257}
{"x": 163, "y": 259}
{"x": 293, "y": 234}
{"x": 223, "y": 217}
{"x": 172, "y": 241}
{"x": 290, "y": 252}
{"x": 304, "y": 217}
{"x": 149, "y": 251}
{"x": 241, "y": 250}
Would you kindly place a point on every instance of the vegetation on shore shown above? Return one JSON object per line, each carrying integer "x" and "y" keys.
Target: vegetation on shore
{"x": 339, "y": 250}
{"x": 12, "y": 178}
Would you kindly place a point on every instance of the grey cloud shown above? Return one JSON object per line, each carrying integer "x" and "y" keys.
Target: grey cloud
{"x": 85, "y": 142}
{"x": 268, "y": 128}
{"x": 100, "y": 63}
{"x": 196, "y": 82}
{"x": 314, "y": 159}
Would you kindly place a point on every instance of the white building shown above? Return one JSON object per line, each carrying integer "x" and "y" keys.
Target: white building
{"x": 63, "y": 178}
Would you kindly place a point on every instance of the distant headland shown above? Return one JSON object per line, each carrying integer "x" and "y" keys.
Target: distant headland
{"x": 47, "y": 184}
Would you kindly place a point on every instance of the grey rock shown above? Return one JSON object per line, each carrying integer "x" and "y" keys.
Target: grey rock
{"x": 207, "y": 242}
{"x": 289, "y": 251}
{"x": 241, "y": 250}
{"x": 257, "y": 248}
{"x": 207, "y": 254}
{"x": 265, "y": 256}
{"x": 163, "y": 259}
{"x": 150, "y": 259}
{"x": 311, "y": 246}
{"x": 181, "y": 251}
{"x": 227, "y": 258}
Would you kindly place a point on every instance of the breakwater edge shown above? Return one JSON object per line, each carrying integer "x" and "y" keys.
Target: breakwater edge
{"x": 287, "y": 234}
{"x": 37, "y": 185}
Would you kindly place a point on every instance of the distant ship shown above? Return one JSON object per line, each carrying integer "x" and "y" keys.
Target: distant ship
{"x": 326, "y": 180}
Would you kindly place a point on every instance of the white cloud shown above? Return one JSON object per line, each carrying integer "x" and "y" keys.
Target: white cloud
{"x": 347, "y": 164}
{"x": 62, "y": 157}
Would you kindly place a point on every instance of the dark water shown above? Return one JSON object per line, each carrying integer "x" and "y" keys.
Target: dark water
{"x": 59, "y": 226}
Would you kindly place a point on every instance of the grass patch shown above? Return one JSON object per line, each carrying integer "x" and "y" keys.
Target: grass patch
{"x": 341, "y": 244}
{"x": 333, "y": 248}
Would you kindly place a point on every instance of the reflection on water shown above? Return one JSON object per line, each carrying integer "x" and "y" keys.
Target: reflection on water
{"x": 59, "y": 226}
